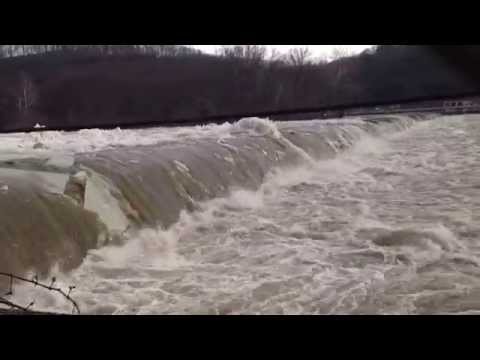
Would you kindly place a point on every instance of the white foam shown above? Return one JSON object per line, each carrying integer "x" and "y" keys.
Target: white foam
{"x": 88, "y": 140}
{"x": 303, "y": 243}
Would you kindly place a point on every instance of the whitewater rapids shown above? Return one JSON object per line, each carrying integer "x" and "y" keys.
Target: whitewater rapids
{"x": 339, "y": 217}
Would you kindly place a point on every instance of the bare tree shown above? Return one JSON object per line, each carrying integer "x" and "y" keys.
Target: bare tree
{"x": 276, "y": 57}
{"x": 298, "y": 59}
{"x": 227, "y": 51}
{"x": 340, "y": 71}
{"x": 255, "y": 53}
{"x": 299, "y": 56}
{"x": 339, "y": 53}
{"x": 5, "y": 300}
{"x": 27, "y": 95}
{"x": 10, "y": 50}
{"x": 252, "y": 53}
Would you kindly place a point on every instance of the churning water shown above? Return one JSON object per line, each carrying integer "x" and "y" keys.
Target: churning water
{"x": 314, "y": 217}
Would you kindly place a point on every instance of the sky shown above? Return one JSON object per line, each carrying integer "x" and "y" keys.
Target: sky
{"x": 317, "y": 50}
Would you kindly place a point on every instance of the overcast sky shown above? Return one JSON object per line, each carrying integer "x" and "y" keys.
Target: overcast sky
{"x": 317, "y": 50}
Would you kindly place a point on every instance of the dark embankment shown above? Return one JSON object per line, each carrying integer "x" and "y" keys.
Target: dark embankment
{"x": 73, "y": 85}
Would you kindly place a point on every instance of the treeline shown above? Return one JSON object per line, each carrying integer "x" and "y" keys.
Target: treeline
{"x": 102, "y": 50}
{"x": 88, "y": 85}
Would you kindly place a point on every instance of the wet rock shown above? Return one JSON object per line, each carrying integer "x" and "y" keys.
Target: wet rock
{"x": 75, "y": 187}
